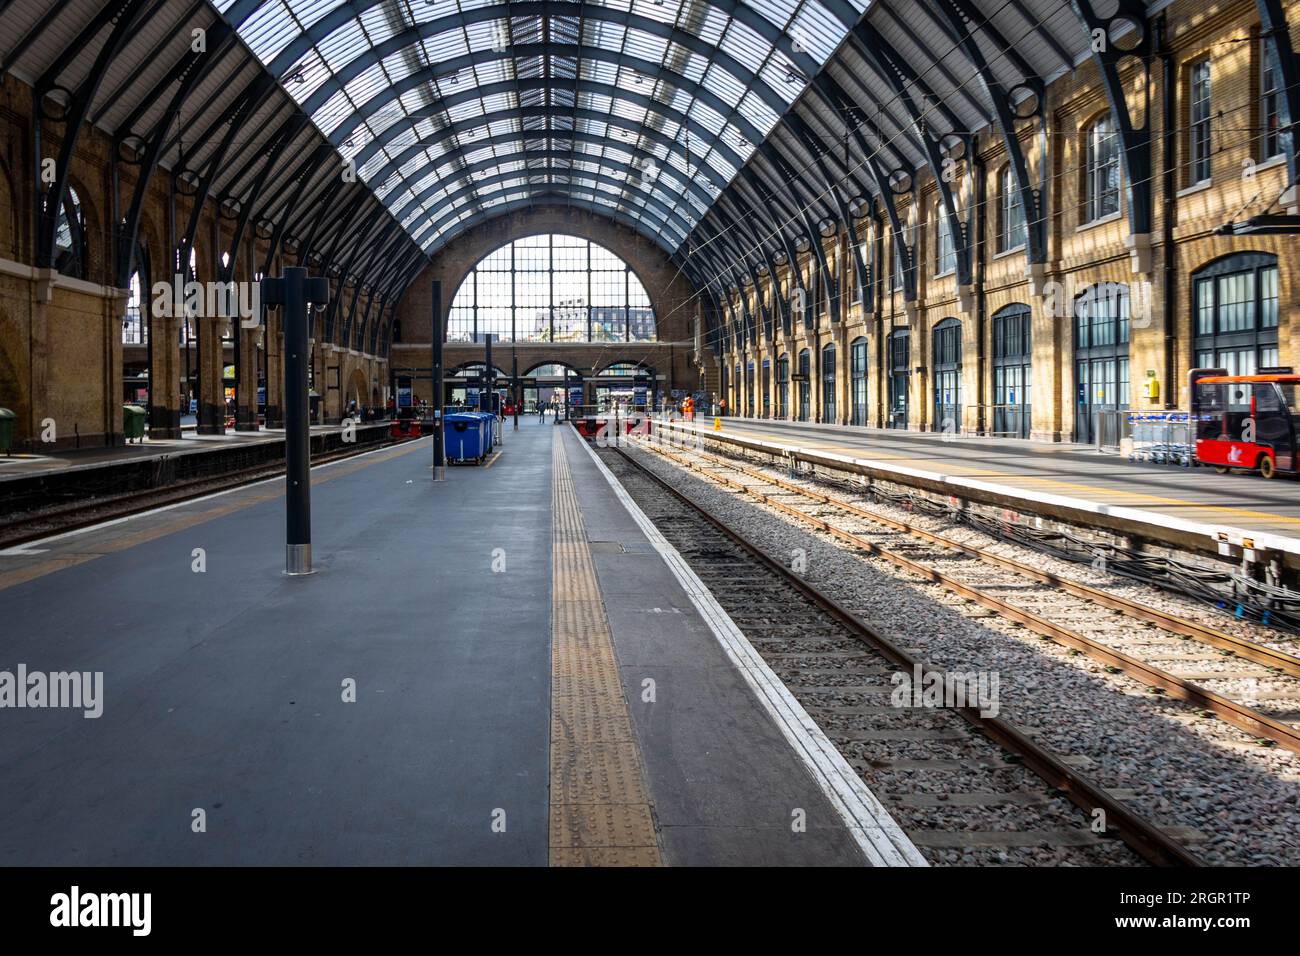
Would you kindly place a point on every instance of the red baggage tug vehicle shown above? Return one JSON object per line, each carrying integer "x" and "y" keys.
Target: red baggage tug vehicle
{"x": 1246, "y": 421}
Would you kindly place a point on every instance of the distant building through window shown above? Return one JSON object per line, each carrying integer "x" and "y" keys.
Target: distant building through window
{"x": 551, "y": 288}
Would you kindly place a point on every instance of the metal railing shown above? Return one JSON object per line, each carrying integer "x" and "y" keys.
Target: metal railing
{"x": 1161, "y": 437}
{"x": 1110, "y": 426}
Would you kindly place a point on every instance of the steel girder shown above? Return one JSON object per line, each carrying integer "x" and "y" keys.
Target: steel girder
{"x": 452, "y": 199}
{"x": 244, "y": 105}
{"x": 817, "y": 149}
{"x": 574, "y": 86}
{"x": 345, "y": 267}
{"x": 1135, "y": 142}
{"x": 186, "y": 75}
{"x": 691, "y": 185}
{"x": 961, "y": 15}
{"x": 852, "y": 112}
{"x": 729, "y": 228}
{"x": 902, "y": 79}
{"x": 466, "y": 174}
{"x": 305, "y": 169}
{"x": 282, "y": 138}
{"x": 123, "y": 16}
{"x": 745, "y": 221}
{"x": 812, "y": 231}
{"x": 341, "y": 16}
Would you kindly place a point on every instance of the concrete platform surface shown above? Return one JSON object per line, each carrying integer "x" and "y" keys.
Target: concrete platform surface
{"x": 393, "y": 708}
{"x": 26, "y": 464}
{"x": 1195, "y": 500}
{"x": 223, "y": 691}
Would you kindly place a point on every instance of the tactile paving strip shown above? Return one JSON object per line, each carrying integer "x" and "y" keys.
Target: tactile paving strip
{"x": 600, "y": 808}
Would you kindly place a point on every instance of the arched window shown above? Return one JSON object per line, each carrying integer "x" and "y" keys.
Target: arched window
{"x": 783, "y": 387}
{"x": 765, "y": 387}
{"x": 1012, "y": 232}
{"x": 70, "y": 236}
{"x": 1012, "y": 371}
{"x": 1101, "y": 374}
{"x": 1101, "y": 170}
{"x": 858, "y": 372}
{"x": 134, "y": 330}
{"x": 947, "y": 376}
{"x": 1236, "y": 306}
{"x": 899, "y": 357}
{"x": 551, "y": 288}
{"x": 805, "y": 385}
{"x": 828, "y": 383}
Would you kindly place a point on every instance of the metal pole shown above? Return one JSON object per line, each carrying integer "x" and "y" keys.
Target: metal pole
{"x": 296, "y": 293}
{"x": 515, "y": 390}
{"x": 485, "y": 396}
{"x": 439, "y": 439}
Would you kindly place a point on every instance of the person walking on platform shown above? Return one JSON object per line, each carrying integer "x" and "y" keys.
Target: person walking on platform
{"x": 541, "y": 410}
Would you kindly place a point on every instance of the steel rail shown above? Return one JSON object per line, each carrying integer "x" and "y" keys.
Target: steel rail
{"x": 1143, "y": 836}
{"x": 1240, "y": 646}
{"x": 1238, "y": 715}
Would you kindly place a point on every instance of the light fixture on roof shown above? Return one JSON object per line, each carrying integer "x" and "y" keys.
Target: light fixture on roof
{"x": 298, "y": 77}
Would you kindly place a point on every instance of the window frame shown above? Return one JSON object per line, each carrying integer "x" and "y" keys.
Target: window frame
{"x": 1200, "y": 130}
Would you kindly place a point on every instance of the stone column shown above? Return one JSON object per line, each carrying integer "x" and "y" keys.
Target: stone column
{"x": 212, "y": 399}
{"x": 274, "y": 371}
{"x": 246, "y": 386}
{"x": 165, "y": 370}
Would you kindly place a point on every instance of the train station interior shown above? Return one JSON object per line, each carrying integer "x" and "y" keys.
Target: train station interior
{"x": 653, "y": 433}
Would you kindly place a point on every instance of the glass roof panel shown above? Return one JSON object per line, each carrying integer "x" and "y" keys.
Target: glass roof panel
{"x": 391, "y": 106}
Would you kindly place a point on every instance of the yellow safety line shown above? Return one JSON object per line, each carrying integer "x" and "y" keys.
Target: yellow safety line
{"x": 600, "y": 809}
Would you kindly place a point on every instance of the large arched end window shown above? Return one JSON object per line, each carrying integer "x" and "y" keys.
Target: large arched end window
{"x": 551, "y": 288}
{"x": 1236, "y": 307}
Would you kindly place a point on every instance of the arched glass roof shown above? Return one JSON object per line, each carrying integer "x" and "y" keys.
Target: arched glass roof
{"x": 452, "y": 109}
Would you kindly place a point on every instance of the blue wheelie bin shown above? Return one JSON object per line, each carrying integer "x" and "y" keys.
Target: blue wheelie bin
{"x": 489, "y": 428}
{"x": 465, "y": 436}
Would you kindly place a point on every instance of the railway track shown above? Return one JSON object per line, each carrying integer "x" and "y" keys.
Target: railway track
{"x": 1119, "y": 633}
{"x": 956, "y": 778}
{"x": 26, "y": 528}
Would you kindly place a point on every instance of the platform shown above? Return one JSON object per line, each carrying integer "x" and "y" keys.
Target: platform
{"x": 1178, "y": 506}
{"x": 498, "y": 629}
{"x": 27, "y": 464}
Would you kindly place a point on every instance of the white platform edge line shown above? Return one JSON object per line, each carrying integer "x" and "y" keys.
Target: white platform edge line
{"x": 1263, "y": 538}
{"x": 875, "y": 831}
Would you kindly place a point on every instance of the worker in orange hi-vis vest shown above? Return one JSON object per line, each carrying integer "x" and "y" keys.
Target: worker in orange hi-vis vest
{"x": 688, "y": 409}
